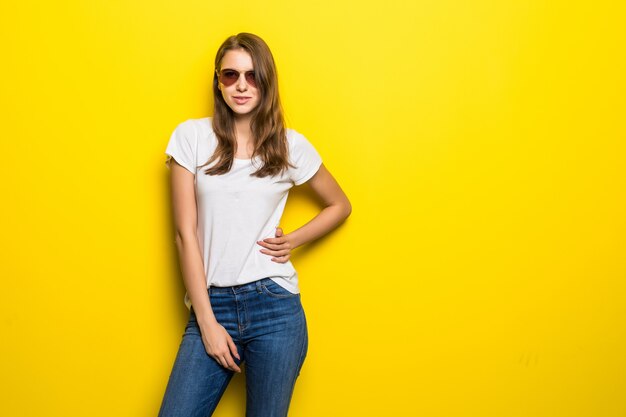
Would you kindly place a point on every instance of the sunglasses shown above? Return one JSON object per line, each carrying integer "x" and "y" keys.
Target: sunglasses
{"x": 229, "y": 77}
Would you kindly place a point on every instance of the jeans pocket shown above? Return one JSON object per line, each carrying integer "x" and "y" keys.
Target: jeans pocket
{"x": 274, "y": 290}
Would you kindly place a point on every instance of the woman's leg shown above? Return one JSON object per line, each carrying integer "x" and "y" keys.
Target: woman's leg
{"x": 197, "y": 381}
{"x": 276, "y": 343}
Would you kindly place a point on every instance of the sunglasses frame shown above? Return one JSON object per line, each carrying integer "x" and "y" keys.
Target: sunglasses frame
{"x": 250, "y": 79}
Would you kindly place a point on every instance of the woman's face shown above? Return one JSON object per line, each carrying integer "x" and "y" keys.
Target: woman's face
{"x": 241, "y": 97}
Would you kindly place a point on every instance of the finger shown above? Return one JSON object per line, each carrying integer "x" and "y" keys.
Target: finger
{"x": 233, "y": 348}
{"x": 219, "y": 360}
{"x": 279, "y": 232}
{"x": 273, "y": 240}
{"x": 273, "y": 246}
{"x": 274, "y": 243}
{"x": 282, "y": 259}
{"x": 230, "y": 363}
{"x": 275, "y": 252}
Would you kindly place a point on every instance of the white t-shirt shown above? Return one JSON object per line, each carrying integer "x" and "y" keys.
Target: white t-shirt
{"x": 235, "y": 210}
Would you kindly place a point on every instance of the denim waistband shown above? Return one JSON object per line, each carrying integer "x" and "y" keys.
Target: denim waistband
{"x": 236, "y": 289}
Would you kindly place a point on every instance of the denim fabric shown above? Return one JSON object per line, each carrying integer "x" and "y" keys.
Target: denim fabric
{"x": 268, "y": 325}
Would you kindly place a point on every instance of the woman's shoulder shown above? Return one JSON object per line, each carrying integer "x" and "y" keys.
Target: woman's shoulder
{"x": 198, "y": 132}
{"x": 195, "y": 126}
{"x": 295, "y": 139}
{"x": 300, "y": 147}
{"x": 203, "y": 124}
{"x": 202, "y": 128}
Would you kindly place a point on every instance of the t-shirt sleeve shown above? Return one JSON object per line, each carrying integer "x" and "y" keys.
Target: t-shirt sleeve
{"x": 306, "y": 159}
{"x": 182, "y": 146}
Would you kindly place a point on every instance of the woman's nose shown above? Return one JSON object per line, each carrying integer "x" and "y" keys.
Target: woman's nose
{"x": 242, "y": 85}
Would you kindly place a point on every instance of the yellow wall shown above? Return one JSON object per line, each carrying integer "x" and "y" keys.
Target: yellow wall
{"x": 481, "y": 143}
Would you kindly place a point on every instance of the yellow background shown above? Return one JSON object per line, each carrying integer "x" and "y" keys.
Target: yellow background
{"x": 481, "y": 144}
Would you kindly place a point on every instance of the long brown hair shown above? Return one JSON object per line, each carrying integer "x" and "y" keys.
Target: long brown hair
{"x": 267, "y": 123}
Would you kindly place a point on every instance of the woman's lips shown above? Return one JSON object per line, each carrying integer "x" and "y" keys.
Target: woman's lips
{"x": 241, "y": 100}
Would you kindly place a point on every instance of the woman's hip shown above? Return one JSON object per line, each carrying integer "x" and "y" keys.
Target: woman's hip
{"x": 257, "y": 308}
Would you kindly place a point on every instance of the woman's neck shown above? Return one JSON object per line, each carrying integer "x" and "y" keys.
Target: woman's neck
{"x": 242, "y": 126}
{"x": 243, "y": 135}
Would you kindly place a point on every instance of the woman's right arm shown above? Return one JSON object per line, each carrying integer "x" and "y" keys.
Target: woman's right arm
{"x": 217, "y": 341}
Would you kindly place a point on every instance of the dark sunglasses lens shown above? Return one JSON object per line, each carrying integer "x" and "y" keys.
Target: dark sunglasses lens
{"x": 250, "y": 78}
{"x": 229, "y": 77}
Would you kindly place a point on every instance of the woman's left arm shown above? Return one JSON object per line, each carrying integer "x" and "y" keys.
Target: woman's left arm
{"x": 336, "y": 209}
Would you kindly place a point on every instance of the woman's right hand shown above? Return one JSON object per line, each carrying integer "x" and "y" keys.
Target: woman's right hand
{"x": 219, "y": 345}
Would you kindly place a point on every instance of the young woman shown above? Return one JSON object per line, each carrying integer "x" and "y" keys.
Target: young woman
{"x": 230, "y": 178}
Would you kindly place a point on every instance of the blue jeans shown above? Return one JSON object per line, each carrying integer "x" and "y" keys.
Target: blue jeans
{"x": 268, "y": 325}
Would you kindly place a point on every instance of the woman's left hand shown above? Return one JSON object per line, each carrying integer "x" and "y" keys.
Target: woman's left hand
{"x": 279, "y": 246}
